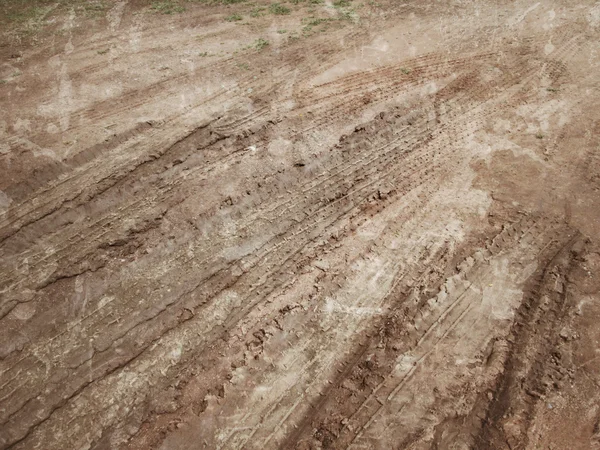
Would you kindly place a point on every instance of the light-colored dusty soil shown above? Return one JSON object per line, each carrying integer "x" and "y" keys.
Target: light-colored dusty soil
{"x": 379, "y": 231}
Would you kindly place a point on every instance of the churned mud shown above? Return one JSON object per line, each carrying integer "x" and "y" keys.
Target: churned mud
{"x": 307, "y": 225}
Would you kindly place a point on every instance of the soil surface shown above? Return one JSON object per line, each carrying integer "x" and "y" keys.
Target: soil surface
{"x": 305, "y": 225}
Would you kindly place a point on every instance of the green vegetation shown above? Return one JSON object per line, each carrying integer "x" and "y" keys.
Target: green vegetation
{"x": 166, "y": 7}
{"x": 94, "y": 9}
{"x": 25, "y": 18}
{"x": 217, "y": 2}
{"x": 281, "y": 31}
{"x": 539, "y": 136}
{"x": 260, "y": 43}
{"x": 33, "y": 13}
{"x": 312, "y": 22}
{"x": 233, "y": 18}
{"x": 256, "y": 12}
{"x": 28, "y": 11}
{"x": 345, "y": 10}
{"x": 405, "y": 70}
{"x": 103, "y": 52}
{"x": 279, "y": 9}
{"x": 348, "y": 15}
{"x": 318, "y": 21}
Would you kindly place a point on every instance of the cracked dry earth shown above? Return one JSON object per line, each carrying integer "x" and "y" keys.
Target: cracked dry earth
{"x": 381, "y": 235}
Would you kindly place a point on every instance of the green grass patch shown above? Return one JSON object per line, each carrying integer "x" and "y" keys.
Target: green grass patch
{"x": 312, "y": 22}
{"x": 279, "y": 9}
{"x": 345, "y": 10}
{"x": 257, "y": 12}
{"x": 24, "y": 14}
{"x": 166, "y": 7}
{"x": 25, "y": 18}
{"x": 217, "y": 2}
{"x": 347, "y": 15}
{"x": 260, "y": 43}
{"x": 30, "y": 12}
{"x": 233, "y": 18}
{"x": 94, "y": 9}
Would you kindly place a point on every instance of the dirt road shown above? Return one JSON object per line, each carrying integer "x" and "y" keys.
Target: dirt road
{"x": 304, "y": 225}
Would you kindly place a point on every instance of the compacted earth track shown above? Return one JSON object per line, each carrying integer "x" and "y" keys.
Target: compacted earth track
{"x": 300, "y": 226}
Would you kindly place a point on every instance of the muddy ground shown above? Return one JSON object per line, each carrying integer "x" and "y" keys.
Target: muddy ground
{"x": 305, "y": 225}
